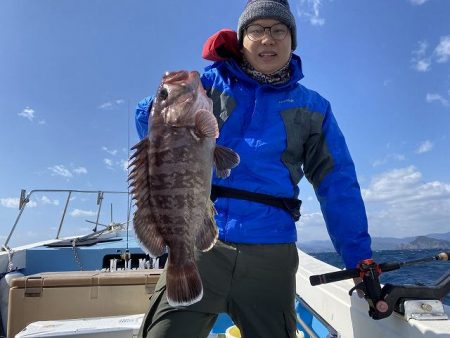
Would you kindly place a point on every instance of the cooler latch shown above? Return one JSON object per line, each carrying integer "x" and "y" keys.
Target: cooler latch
{"x": 34, "y": 286}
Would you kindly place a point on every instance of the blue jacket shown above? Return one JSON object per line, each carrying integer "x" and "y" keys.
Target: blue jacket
{"x": 282, "y": 133}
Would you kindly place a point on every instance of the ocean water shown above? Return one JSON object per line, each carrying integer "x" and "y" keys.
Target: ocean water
{"x": 423, "y": 273}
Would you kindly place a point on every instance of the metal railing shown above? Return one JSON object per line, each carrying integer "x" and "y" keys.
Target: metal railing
{"x": 332, "y": 333}
{"x": 25, "y": 198}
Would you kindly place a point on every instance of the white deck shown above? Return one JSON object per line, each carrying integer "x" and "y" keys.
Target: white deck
{"x": 349, "y": 315}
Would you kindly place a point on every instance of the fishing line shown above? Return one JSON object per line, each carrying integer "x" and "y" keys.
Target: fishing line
{"x": 128, "y": 169}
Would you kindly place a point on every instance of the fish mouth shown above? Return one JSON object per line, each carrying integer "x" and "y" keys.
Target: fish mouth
{"x": 180, "y": 77}
{"x": 174, "y": 77}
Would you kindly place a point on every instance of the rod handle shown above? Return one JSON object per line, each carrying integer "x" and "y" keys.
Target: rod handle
{"x": 333, "y": 276}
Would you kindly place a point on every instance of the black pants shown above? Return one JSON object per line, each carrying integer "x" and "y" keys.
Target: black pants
{"x": 254, "y": 284}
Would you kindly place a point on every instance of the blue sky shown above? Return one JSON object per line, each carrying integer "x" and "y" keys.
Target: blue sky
{"x": 71, "y": 73}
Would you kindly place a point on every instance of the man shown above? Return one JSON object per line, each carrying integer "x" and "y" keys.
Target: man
{"x": 282, "y": 131}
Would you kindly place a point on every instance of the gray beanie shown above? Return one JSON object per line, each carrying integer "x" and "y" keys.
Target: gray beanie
{"x": 263, "y": 9}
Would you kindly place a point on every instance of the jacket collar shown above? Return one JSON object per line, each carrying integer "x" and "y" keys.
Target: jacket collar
{"x": 236, "y": 71}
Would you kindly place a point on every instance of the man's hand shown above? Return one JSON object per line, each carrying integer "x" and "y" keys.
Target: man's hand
{"x": 359, "y": 292}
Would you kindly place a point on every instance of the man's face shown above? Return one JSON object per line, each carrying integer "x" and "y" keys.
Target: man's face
{"x": 267, "y": 55}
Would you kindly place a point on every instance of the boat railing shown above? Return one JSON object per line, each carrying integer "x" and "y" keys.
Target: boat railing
{"x": 307, "y": 327}
{"x": 25, "y": 198}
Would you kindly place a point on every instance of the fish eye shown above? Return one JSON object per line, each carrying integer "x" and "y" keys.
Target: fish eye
{"x": 163, "y": 94}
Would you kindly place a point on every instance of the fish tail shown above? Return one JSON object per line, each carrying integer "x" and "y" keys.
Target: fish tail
{"x": 184, "y": 286}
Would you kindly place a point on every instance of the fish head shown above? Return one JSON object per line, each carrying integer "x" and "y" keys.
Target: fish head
{"x": 179, "y": 98}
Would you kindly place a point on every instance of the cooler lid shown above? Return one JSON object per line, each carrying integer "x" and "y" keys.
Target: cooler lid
{"x": 88, "y": 278}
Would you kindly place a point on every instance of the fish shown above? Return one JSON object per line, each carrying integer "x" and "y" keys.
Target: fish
{"x": 171, "y": 178}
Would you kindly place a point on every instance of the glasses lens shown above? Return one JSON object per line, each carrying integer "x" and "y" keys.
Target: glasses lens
{"x": 255, "y": 32}
{"x": 279, "y": 31}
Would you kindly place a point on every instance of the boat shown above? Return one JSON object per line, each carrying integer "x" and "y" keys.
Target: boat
{"x": 81, "y": 286}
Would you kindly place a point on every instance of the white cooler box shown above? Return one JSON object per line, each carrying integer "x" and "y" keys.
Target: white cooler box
{"x": 75, "y": 295}
{"x": 102, "y": 327}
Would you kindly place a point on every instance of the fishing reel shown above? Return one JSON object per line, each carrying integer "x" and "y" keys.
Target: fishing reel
{"x": 384, "y": 300}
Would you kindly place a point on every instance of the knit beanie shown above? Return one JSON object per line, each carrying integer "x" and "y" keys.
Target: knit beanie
{"x": 265, "y": 9}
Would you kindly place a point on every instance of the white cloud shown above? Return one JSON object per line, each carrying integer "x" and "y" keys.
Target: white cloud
{"x": 424, "y": 147}
{"x": 106, "y": 106}
{"x": 436, "y": 97}
{"x": 417, "y": 2}
{"x": 423, "y": 65}
{"x": 311, "y": 227}
{"x": 124, "y": 165}
{"x": 110, "y": 105}
{"x": 420, "y": 61}
{"x": 80, "y": 170}
{"x": 112, "y": 152}
{"x": 46, "y": 200}
{"x": 42, "y": 122}
{"x": 310, "y": 9}
{"x": 400, "y": 204}
{"x": 442, "y": 50}
{"x": 27, "y": 113}
{"x": 112, "y": 164}
{"x": 441, "y": 54}
{"x": 12, "y": 202}
{"x": 108, "y": 162}
{"x": 82, "y": 213}
{"x": 388, "y": 159}
{"x": 60, "y": 170}
{"x": 392, "y": 184}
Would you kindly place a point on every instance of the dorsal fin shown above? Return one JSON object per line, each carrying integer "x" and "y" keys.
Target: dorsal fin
{"x": 144, "y": 225}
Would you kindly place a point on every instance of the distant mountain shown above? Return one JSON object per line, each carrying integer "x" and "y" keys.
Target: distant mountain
{"x": 389, "y": 243}
{"x": 445, "y": 236}
{"x": 316, "y": 246}
{"x": 431, "y": 241}
{"x": 423, "y": 242}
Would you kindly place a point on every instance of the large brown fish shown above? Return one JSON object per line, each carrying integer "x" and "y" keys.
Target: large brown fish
{"x": 171, "y": 181}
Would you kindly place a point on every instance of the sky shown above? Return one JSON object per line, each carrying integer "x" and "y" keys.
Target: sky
{"x": 72, "y": 72}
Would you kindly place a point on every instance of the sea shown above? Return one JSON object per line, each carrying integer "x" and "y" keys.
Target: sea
{"x": 422, "y": 274}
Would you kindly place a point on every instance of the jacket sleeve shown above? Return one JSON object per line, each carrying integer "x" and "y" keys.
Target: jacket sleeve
{"x": 329, "y": 167}
{"x": 141, "y": 116}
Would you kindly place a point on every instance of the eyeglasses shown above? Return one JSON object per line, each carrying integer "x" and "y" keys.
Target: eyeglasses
{"x": 277, "y": 32}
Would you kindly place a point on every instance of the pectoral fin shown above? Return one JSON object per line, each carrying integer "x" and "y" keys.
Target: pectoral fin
{"x": 225, "y": 159}
{"x": 206, "y": 124}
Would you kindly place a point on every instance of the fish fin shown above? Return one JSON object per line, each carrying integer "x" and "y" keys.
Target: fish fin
{"x": 223, "y": 173}
{"x": 225, "y": 159}
{"x": 183, "y": 284}
{"x": 206, "y": 124}
{"x": 207, "y": 234}
{"x": 144, "y": 225}
{"x": 148, "y": 236}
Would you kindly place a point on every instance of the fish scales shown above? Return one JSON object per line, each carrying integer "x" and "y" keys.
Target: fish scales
{"x": 180, "y": 177}
{"x": 171, "y": 181}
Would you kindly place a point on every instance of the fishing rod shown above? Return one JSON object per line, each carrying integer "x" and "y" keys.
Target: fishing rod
{"x": 380, "y": 268}
{"x": 384, "y": 300}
